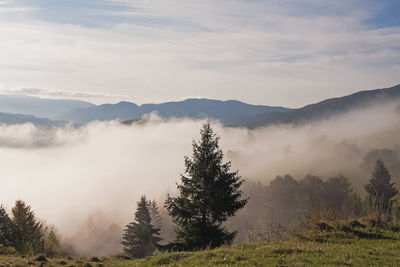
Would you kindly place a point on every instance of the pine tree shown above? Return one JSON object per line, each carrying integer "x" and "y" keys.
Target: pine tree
{"x": 209, "y": 195}
{"x": 380, "y": 190}
{"x": 141, "y": 238}
{"x": 27, "y": 232}
{"x": 154, "y": 214}
{"x": 5, "y": 227}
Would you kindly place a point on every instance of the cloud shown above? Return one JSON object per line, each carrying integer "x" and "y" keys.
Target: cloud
{"x": 3, "y": 2}
{"x": 256, "y": 51}
{"x": 67, "y": 94}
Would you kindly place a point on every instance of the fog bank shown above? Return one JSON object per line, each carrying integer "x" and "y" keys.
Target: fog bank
{"x": 94, "y": 175}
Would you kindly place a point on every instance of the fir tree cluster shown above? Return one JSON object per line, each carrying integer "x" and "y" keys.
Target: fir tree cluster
{"x": 25, "y": 234}
{"x": 208, "y": 195}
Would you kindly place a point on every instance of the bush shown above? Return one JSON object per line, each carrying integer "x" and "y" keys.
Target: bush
{"x": 5, "y": 250}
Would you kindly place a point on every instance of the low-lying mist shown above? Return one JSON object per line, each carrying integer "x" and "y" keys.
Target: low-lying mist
{"x": 86, "y": 181}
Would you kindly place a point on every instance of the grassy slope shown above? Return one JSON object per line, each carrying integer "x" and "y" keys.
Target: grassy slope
{"x": 340, "y": 246}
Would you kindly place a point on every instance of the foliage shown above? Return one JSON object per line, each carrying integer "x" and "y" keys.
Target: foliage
{"x": 289, "y": 200}
{"x": 52, "y": 247}
{"x": 6, "y": 227}
{"x": 380, "y": 190}
{"x": 340, "y": 200}
{"x": 141, "y": 238}
{"x": 5, "y": 250}
{"x": 154, "y": 214}
{"x": 283, "y": 199}
{"x": 209, "y": 195}
{"x": 27, "y": 232}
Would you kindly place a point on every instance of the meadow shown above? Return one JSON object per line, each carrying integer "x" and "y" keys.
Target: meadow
{"x": 337, "y": 244}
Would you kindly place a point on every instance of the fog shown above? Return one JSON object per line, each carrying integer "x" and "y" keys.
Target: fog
{"x": 87, "y": 180}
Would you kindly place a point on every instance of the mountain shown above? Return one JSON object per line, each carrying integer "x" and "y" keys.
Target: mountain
{"x": 231, "y": 112}
{"x": 228, "y": 112}
{"x": 39, "y": 107}
{"x": 10, "y": 119}
{"x": 324, "y": 109}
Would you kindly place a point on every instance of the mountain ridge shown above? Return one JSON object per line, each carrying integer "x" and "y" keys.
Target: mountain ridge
{"x": 16, "y": 119}
{"x": 231, "y": 113}
{"x": 326, "y": 108}
{"x": 228, "y": 112}
{"x": 39, "y": 107}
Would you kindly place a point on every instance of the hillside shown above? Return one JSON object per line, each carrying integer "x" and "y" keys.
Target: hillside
{"x": 351, "y": 244}
{"x": 228, "y": 112}
{"x": 325, "y": 109}
{"x": 39, "y": 107}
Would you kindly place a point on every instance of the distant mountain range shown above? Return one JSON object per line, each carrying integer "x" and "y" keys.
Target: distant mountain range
{"x": 229, "y": 112}
{"x": 39, "y": 107}
{"x": 325, "y": 109}
{"x": 13, "y": 119}
{"x": 54, "y": 112}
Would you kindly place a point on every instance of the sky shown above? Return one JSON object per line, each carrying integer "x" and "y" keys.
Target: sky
{"x": 277, "y": 52}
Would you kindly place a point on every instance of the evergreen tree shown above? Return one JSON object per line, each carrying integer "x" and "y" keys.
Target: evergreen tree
{"x": 5, "y": 227}
{"x": 209, "y": 194}
{"x": 154, "y": 214}
{"x": 380, "y": 190}
{"x": 27, "y": 232}
{"x": 141, "y": 238}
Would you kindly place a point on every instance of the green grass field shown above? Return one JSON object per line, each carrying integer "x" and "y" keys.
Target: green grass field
{"x": 340, "y": 245}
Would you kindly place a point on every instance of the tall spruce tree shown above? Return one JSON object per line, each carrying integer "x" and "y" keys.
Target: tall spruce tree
{"x": 141, "y": 238}
{"x": 27, "y": 232}
{"x": 209, "y": 195}
{"x": 380, "y": 189}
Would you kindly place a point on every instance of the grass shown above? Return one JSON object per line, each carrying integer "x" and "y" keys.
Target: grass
{"x": 351, "y": 244}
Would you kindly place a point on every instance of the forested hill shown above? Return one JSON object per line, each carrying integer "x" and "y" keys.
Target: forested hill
{"x": 325, "y": 109}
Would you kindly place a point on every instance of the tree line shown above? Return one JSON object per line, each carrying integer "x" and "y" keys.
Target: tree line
{"x": 205, "y": 202}
{"x": 333, "y": 198}
{"x": 287, "y": 205}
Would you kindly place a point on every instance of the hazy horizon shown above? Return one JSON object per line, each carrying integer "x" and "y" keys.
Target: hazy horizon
{"x": 55, "y": 96}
